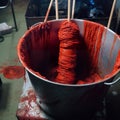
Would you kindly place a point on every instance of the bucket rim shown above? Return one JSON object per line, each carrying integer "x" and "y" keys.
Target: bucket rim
{"x": 56, "y": 83}
{"x": 104, "y": 80}
{"x": 76, "y": 19}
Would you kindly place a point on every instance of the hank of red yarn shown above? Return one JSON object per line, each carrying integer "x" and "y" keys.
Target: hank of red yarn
{"x": 69, "y": 41}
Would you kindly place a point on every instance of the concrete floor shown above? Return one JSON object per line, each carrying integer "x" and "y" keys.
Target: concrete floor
{"x": 11, "y": 89}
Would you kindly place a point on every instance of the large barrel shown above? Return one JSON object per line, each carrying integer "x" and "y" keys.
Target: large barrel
{"x": 68, "y": 101}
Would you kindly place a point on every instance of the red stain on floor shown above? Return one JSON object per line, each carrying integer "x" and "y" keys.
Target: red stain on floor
{"x": 12, "y": 72}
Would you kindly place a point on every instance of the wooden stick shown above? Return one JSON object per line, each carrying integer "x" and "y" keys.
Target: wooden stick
{"x": 111, "y": 14}
{"x": 69, "y": 6}
{"x": 73, "y": 8}
{"x": 48, "y": 11}
{"x": 56, "y": 10}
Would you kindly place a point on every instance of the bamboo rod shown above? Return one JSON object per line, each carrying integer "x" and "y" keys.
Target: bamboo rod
{"x": 111, "y": 14}
{"x": 73, "y": 8}
{"x": 56, "y": 9}
{"x": 69, "y": 6}
{"x": 48, "y": 11}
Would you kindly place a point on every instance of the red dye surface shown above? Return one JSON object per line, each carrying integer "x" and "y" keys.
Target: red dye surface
{"x": 92, "y": 78}
{"x": 12, "y": 72}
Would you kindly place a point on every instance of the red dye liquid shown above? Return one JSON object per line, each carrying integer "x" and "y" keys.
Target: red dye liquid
{"x": 12, "y": 72}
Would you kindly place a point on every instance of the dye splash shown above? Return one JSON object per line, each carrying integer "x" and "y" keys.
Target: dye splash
{"x": 28, "y": 108}
{"x": 12, "y": 72}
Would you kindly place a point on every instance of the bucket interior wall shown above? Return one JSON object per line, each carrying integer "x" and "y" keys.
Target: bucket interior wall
{"x": 109, "y": 52}
{"x": 39, "y": 49}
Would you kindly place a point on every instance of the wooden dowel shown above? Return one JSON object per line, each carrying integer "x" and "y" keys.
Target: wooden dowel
{"x": 69, "y": 6}
{"x": 48, "y": 11}
{"x": 73, "y": 8}
{"x": 111, "y": 14}
{"x": 56, "y": 9}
